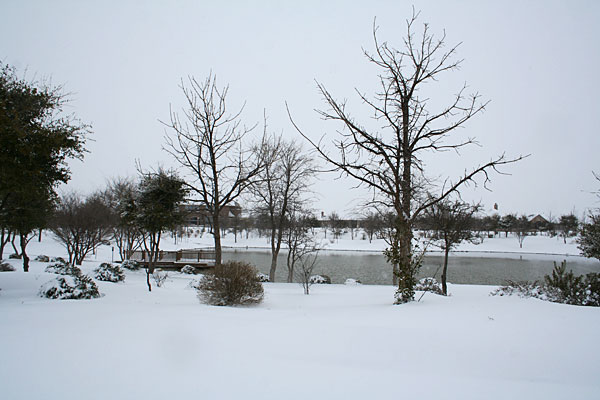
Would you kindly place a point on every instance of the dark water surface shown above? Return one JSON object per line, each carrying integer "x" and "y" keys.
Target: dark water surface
{"x": 472, "y": 268}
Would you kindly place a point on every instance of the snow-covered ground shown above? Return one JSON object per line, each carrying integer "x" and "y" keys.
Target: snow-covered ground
{"x": 340, "y": 342}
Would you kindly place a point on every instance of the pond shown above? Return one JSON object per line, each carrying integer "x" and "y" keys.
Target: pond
{"x": 463, "y": 268}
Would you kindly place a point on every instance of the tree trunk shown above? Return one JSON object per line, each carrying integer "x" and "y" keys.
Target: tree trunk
{"x": 274, "y": 255}
{"x": 148, "y": 278}
{"x": 23, "y": 240}
{"x": 217, "y": 237}
{"x": 445, "y": 271}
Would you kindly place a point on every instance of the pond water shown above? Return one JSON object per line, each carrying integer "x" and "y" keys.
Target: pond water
{"x": 466, "y": 268}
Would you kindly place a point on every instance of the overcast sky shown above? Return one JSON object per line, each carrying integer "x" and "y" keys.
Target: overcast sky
{"x": 536, "y": 61}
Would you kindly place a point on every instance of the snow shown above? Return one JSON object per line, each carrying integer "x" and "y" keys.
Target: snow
{"x": 341, "y": 341}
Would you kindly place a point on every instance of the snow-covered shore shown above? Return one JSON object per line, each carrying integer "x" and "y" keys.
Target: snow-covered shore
{"x": 342, "y": 341}
{"x": 540, "y": 244}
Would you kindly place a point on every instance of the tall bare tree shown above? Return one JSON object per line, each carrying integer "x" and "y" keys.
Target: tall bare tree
{"x": 389, "y": 159}
{"x": 208, "y": 143}
{"x": 281, "y": 188}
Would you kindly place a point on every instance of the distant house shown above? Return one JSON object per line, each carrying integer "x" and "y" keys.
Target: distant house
{"x": 539, "y": 223}
{"x": 196, "y": 214}
{"x": 539, "y": 220}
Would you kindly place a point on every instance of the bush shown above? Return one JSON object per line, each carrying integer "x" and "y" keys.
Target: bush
{"x": 63, "y": 269}
{"x": 560, "y": 287}
{"x": 429, "y": 285}
{"x": 262, "y": 277}
{"x": 42, "y": 258}
{"x": 6, "y": 267}
{"x": 319, "y": 279}
{"x": 230, "y": 284}
{"x": 14, "y": 256}
{"x": 70, "y": 287}
{"x": 188, "y": 269}
{"x": 160, "y": 278}
{"x": 131, "y": 265}
{"x": 58, "y": 260}
{"x": 571, "y": 290}
{"x": 109, "y": 273}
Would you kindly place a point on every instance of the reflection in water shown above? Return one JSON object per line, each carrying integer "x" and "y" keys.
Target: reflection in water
{"x": 474, "y": 268}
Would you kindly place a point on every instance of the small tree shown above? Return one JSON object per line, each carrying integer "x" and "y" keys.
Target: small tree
{"x": 302, "y": 248}
{"x": 81, "y": 225}
{"x": 157, "y": 210}
{"x": 568, "y": 225}
{"x": 451, "y": 223}
{"x": 589, "y": 239}
{"x": 121, "y": 196}
{"x": 336, "y": 224}
{"x": 522, "y": 229}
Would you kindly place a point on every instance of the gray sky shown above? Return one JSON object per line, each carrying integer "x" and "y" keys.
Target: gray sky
{"x": 536, "y": 61}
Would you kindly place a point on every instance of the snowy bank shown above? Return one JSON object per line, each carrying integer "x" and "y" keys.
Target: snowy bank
{"x": 341, "y": 342}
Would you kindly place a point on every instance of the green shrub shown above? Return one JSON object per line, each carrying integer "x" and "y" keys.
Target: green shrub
{"x": 63, "y": 269}
{"x": 230, "y": 284}
{"x": 109, "y": 273}
{"x": 70, "y": 287}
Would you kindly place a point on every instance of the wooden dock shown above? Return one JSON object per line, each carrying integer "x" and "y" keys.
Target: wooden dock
{"x": 175, "y": 260}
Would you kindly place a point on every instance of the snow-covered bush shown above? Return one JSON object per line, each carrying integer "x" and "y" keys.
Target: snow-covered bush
{"x": 188, "y": 269}
{"x": 160, "y": 278}
{"x": 131, "y": 265}
{"x": 70, "y": 287}
{"x": 560, "y": 287}
{"x": 109, "y": 273}
{"x": 58, "y": 260}
{"x": 320, "y": 279}
{"x": 352, "y": 282}
{"x": 230, "y": 284}
{"x": 262, "y": 277}
{"x": 42, "y": 258}
{"x": 6, "y": 267}
{"x": 14, "y": 256}
{"x": 63, "y": 269}
{"x": 429, "y": 285}
{"x": 526, "y": 290}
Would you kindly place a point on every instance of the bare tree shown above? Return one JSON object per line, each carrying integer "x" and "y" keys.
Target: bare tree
{"x": 522, "y": 229}
{"x": 388, "y": 159}
{"x": 281, "y": 188}
{"x": 208, "y": 143}
{"x": 121, "y": 196}
{"x": 451, "y": 223}
{"x": 81, "y": 225}
{"x": 302, "y": 250}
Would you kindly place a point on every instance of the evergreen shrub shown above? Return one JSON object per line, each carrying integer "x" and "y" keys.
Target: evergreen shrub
{"x": 109, "y": 273}
{"x": 70, "y": 287}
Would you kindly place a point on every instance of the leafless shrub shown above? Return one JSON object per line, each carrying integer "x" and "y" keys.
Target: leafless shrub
{"x": 160, "y": 278}
{"x": 230, "y": 284}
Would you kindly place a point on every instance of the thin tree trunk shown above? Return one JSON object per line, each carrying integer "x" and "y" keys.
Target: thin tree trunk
{"x": 444, "y": 272}
{"x": 23, "y": 239}
{"x": 12, "y": 242}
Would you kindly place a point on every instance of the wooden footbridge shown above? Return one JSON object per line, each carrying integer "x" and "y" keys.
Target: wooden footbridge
{"x": 175, "y": 260}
